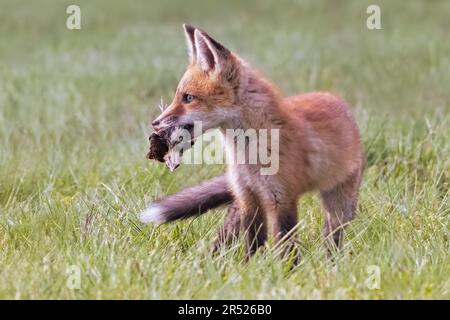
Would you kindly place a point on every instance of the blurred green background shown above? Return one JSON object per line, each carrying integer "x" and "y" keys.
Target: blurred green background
{"x": 75, "y": 108}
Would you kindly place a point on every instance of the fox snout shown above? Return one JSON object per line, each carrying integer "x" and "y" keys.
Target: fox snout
{"x": 155, "y": 124}
{"x": 164, "y": 122}
{"x": 159, "y": 125}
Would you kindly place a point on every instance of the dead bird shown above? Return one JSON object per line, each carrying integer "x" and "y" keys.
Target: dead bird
{"x": 169, "y": 145}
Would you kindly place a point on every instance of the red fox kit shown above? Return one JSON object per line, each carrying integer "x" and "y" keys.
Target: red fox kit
{"x": 319, "y": 149}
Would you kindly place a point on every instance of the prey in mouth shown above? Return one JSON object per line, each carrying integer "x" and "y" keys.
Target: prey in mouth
{"x": 169, "y": 144}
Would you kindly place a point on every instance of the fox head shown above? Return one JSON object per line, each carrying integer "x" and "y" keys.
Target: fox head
{"x": 207, "y": 91}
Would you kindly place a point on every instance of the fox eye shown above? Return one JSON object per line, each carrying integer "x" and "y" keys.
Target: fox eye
{"x": 187, "y": 98}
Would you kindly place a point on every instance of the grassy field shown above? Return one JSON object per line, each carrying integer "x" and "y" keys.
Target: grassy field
{"x": 75, "y": 108}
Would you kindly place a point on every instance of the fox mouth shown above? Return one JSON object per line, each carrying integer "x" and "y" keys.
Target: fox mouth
{"x": 172, "y": 124}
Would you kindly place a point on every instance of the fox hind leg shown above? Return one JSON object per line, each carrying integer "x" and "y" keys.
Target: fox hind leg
{"x": 340, "y": 209}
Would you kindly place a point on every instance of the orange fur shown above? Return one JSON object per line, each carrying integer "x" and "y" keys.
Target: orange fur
{"x": 320, "y": 147}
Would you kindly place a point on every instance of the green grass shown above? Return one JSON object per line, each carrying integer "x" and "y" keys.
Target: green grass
{"x": 75, "y": 108}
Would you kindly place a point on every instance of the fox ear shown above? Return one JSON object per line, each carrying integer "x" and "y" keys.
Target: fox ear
{"x": 211, "y": 55}
{"x": 190, "y": 41}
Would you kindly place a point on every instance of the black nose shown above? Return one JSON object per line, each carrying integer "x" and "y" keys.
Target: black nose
{"x": 155, "y": 124}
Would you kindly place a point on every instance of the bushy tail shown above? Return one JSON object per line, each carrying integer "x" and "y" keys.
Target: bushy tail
{"x": 189, "y": 202}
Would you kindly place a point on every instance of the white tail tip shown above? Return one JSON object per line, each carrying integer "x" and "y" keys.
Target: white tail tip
{"x": 153, "y": 214}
